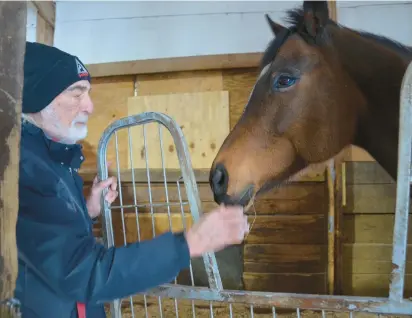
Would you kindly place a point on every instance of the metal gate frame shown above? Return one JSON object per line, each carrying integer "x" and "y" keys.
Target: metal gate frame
{"x": 395, "y": 303}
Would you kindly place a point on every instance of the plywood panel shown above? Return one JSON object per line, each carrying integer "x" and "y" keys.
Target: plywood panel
{"x": 239, "y": 83}
{"x": 203, "y": 117}
{"x": 109, "y": 96}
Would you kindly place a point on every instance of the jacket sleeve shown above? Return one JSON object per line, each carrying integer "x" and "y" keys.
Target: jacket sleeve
{"x": 54, "y": 241}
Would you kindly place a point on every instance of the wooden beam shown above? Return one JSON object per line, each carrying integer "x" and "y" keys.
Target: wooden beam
{"x": 46, "y": 16}
{"x": 176, "y": 64}
{"x": 46, "y": 10}
{"x": 333, "y": 11}
{"x": 13, "y": 15}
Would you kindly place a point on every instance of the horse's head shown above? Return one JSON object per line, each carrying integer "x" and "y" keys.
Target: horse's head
{"x": 302, "y": 110}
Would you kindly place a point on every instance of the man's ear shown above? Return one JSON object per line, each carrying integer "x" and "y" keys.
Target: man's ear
{"x": 275, "y": 27}
{"x": 316, "y": 15}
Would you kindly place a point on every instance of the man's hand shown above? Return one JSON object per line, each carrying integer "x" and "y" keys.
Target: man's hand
{"x": 93, "y": 201}
{"x": 217, "y": 229}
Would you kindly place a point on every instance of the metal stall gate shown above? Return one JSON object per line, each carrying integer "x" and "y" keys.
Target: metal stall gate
{"x": 239, "y": 303}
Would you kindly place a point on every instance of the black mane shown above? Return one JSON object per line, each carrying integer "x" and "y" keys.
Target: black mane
{"x": 295, "y": 19}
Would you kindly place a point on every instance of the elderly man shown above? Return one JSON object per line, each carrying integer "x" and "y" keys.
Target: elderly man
{"x": 63, "y": 271}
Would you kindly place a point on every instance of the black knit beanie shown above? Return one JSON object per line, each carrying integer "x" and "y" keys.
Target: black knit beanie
{"x": 48, "y": 71}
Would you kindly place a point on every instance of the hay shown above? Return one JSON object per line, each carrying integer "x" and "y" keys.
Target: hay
{"x": 202, "y": 310}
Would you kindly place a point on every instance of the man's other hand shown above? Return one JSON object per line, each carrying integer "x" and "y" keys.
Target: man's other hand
{"x": 93, "y": 201}
{"x": 217, "y": 229}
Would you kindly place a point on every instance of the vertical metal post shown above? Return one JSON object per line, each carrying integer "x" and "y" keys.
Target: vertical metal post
{"x": 400, "y": 231}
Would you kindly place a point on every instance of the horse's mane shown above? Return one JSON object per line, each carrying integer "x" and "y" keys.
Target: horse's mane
{"x": 295, "y": 19}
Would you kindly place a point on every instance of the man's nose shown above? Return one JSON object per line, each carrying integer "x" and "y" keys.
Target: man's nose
{"x": 88, "y": 105}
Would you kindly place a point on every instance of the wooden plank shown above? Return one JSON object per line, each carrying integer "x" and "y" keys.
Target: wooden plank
{"x": 203, "y": 118}
{"x": 366, "y": 173}
{"x": 176, "y": 64}
{"x": 376, "y": 228}
{"x": 372, "y": 258}
{"x": 239, "y": 83}
{"x": 12, "y": 46}
{"x": 333, "y": 12}
{"x": 44, "y": 31}
{"x": 293, "y": 199}
{"x": 287, "y": 229}
{"x": 279, "y": 229}
{"x": 286, "y": 283}
{"x": 46, "y": 9}
{"x": 370, "y": 198}
{"x": 359, "y": 154}
{"x": 179, "y": 82}
{"x": 157, "y": 175}
{"x": 109, "y": 96}
{"x": 373, "y": 285}
{"x": 284, "y": 258}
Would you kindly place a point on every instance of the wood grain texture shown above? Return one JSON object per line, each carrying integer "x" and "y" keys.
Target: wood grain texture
{"x": 368, "y": 222}
{"x": 202, "y": 116}
{"x": 177, "y": 64}
{"x": 12, "y": 47}
{"x": 44, "y": 31}
{"x": 286, "y": 283}
{"x": 284, "y": 258}
{"x": 179, "y": 82}
{"x": 239, "y": 83}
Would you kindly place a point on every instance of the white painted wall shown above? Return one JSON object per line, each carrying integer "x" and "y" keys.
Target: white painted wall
{"x": 31, "y": 22}
{"x": 117, "y": 31}
{"x": 110, "y": 31}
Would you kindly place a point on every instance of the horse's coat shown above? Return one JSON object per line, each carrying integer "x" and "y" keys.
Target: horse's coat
{"x": 322, "y": 87}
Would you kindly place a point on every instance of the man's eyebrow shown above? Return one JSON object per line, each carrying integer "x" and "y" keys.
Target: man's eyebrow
{"x": 79, "y": 87}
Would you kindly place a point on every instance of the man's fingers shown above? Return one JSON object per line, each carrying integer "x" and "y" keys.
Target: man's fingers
{"x": 105, "y": 183}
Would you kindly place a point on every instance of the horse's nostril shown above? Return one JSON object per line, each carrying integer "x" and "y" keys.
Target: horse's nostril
{"x": 219, "y": 180}
{"x": 217, "y": 177}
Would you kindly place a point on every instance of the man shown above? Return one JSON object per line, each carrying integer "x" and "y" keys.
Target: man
{"x": 62, "y": 269}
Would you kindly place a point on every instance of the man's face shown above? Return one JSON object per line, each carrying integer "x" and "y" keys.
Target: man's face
{"x": 65, "y": 119}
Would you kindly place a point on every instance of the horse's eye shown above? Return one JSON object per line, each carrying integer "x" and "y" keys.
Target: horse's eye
{"x": 283, "y": 81}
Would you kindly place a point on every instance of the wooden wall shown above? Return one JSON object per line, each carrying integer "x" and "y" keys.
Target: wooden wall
{"x": 286, "y": 250}
{"x": 368, "y": 219}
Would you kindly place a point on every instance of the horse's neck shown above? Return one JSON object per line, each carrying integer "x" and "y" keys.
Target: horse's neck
{"x": 378, "y": 72}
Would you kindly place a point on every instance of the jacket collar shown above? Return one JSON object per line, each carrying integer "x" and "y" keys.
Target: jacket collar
{"x": 68, "y": 155}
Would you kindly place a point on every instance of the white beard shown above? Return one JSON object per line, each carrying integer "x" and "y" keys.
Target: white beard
{"x": 75, "y": 133}
{"x": 66, "y": 135}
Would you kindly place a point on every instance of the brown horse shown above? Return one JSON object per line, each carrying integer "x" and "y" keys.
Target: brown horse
{"x": 321, "y": 88}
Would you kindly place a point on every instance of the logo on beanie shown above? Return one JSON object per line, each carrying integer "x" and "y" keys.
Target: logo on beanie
{"x": 81, "y": 70}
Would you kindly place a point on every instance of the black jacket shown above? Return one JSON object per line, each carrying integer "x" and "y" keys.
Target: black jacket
{"x": 60, "y": 261}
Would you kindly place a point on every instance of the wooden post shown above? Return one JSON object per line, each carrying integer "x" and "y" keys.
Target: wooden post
{"x": 333, "y": 210}
{"x": 13, "y": 15}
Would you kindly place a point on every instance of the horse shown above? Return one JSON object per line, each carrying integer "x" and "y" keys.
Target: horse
{"x": 321, "y": 88}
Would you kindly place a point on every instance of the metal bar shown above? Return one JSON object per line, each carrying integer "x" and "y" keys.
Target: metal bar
{"x": 182, "y": 150}
{"x": 287, "y": 300}
{"x": 400, "y": 230}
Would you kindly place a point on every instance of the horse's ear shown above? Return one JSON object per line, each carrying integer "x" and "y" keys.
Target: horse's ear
{"x": 275, "y": 27}
{"x": 316, "y": 15}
